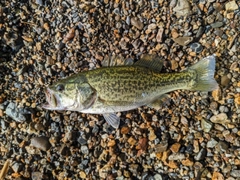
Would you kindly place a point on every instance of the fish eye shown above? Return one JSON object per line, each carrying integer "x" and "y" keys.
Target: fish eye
{"x": 60, "y": 87}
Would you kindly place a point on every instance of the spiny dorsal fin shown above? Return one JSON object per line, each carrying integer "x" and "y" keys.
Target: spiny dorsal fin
{"x": 116, "y": 60}
{"x": 151, "y": 61}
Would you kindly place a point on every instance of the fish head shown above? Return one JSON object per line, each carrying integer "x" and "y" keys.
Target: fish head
{"x": 69, "y": 95}
{"x": 61, "y": 96}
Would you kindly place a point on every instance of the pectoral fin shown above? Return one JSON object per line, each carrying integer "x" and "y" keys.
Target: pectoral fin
{"x": 112, "y": 119}
{"x": 87, "y": 95}
{"x": 159, "y": 102}
{"x": 151, "y": 61}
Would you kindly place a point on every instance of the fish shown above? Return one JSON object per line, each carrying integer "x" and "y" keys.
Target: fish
{"x": 108, "y": 90}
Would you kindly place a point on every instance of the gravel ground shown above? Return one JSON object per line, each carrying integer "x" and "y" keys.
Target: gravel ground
{"x": 195, "y": 135}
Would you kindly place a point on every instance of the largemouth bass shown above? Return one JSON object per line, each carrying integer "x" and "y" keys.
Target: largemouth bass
{"x": 108, "y": 90}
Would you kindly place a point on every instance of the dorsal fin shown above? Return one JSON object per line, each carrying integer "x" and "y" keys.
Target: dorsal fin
{"x": 116, "y": 60}
{"x": 151, "y": 61}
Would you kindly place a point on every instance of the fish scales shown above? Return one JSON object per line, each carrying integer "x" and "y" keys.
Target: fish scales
{"x": 129, "y": 83}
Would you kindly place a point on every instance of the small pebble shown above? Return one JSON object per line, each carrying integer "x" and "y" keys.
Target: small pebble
{"x": 222, "y": 146}
{"x": 175, "y": 147}
{"x": 201, "y": 155}
{"x": 84, "y": 150}
{"x": 206, "y": 125}
{"x": 161, "y": 147}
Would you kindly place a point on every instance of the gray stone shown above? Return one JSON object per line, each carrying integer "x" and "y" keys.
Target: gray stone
{"x": 15, "y": 113}
{"x": 201, "y": 154}
{"x": 217, "y": 24}
{"x": 196, "y": 47}
{"x": 16, "y": 167}
{"x": 84, "y": 150}
{"x": 37, "y": 176}
{"x": 212, "y": 143}
{"x": 157, "y": 177}
{"x": 235, "y": 173}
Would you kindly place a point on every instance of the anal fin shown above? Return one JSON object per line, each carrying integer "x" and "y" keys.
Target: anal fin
{"x": 159, "y": 102}
{"x": 112, "y": 119}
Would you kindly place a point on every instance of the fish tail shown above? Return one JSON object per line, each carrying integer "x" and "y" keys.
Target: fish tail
{"x": 204, "y": 74}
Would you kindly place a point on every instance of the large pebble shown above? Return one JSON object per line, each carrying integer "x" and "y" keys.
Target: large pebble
{"x": 37, "y": 175}
{"x": 231, "y": 6}
{"x": 14, "y": 112}
{"x": 212, "y": 143}
{"x": 136, "y": 23}
{"x": 235, "y": 173}
{"x": 41, "y": 143}
{"x": 196, "y": 47}
{"x": 157, "y": 177}
{"x": 222, "y": 146}
{"x": 183, "y": 41}
{"x": 182, "y": 8}
{"x": 220, "y": 118}
{"x": 16, "y": 167}
{"x": 217, "y": 24}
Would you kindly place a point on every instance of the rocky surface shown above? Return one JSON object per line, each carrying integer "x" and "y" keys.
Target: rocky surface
{"x": 195, "y": 135}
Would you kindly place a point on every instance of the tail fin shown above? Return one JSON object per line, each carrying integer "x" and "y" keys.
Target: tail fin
{"x": 205, "y": 74}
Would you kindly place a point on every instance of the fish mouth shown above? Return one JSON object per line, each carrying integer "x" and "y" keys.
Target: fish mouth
{"x": 53, "y": 102}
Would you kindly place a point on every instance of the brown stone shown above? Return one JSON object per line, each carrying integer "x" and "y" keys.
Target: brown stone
{"x": 132, "y": 141}
{"x": 174, "y": 33}
{"x": 237, "y": 99}
{"x": 125, "y": 130}
{"x": 217, "y": 176}
{"x": 187, "y": 162}
{"x": 142, "y": 144}
{"x": 174, "y": 64}
{"x": 111, "y": 143}
{"x": 217, "y": 94}
{"x": 152, "y": 136}
{"x": 172, "y": 164}
{"x": 175, "y": 147}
